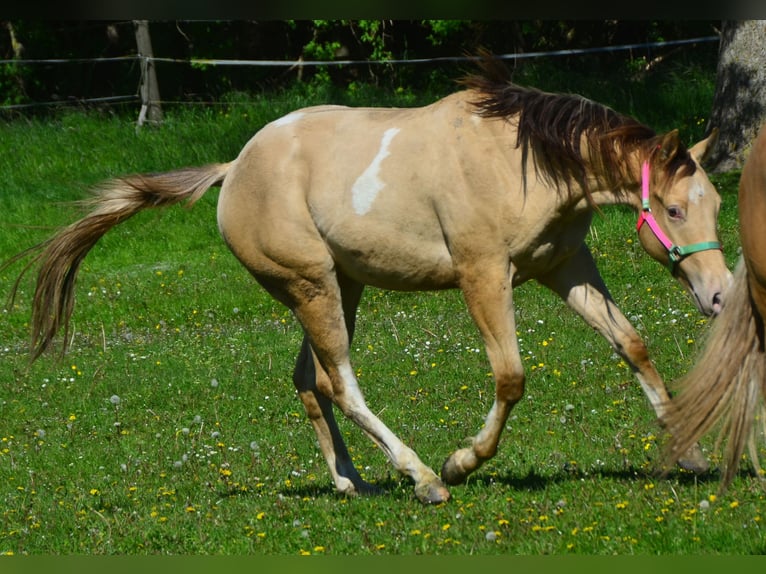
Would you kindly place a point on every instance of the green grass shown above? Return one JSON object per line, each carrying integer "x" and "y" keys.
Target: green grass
{"x": 172, "y": 425}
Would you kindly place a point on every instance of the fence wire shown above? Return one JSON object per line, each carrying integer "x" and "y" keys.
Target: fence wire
{"x": 316, "y": 63}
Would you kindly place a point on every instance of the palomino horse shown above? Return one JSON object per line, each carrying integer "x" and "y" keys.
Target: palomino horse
{"x": 482, "y": 190}
{"x": 727, "y": 383}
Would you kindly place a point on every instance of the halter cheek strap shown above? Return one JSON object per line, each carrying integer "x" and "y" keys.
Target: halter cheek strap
{"x": 676, "y": 253}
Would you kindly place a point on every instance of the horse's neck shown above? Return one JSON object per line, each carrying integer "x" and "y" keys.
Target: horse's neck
{"x": 627, "y": 190}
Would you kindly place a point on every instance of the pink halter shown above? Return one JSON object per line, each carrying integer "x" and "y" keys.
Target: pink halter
{"x": 676, "y": 253}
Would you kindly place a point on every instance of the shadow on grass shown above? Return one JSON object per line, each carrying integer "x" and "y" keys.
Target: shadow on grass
{"x": 532, "y": 480}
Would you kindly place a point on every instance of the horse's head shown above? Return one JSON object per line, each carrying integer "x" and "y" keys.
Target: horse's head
{"x": 678, "y": 222}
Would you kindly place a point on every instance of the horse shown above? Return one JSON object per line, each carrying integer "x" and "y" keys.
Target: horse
{"x": 485, "y": 189}
{"x": 727, "y": 382}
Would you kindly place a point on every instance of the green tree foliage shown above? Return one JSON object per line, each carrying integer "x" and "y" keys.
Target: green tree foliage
{"x": 376, "y": 41}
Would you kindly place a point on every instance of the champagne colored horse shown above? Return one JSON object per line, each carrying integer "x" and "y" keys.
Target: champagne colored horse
{"x": 481, "y": 191}
{"x": 728, "y": 382}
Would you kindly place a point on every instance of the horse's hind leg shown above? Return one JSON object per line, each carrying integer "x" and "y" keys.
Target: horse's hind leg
{"x": 317, "y": 305}
{"x": 308, "y": 377}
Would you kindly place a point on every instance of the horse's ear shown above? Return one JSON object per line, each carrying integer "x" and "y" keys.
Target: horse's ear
{"x": 701, "y": 150}
{"x": 669, "y": 144}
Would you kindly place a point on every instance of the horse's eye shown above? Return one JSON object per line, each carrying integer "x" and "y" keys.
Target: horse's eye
{"x": 675, "y": 212}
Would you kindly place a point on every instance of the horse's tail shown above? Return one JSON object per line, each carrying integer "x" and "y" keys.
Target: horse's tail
{"x": 725, "y": 385}
{"x": 112, "y": 203}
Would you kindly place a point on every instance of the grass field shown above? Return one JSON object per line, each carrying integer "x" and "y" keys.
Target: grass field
{"x": 172, "y": 427}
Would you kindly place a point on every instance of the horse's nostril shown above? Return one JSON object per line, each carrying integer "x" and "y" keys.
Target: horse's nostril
{"x": 717, "y": 303}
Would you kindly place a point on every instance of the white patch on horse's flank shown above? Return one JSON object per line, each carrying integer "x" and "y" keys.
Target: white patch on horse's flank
{"x": 368, "y": 185}
{"x": 288, "y": 119}
{"x": 696, "y": 192}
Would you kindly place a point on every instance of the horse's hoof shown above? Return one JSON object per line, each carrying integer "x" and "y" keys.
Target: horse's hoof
{"x": 357, "y": 487}
{"x": 694, "y": 461}
{"x": 452, "y": 473}
{"x": 432, "y": 492}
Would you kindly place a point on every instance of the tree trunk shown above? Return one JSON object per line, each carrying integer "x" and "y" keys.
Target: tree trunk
{"x": 151, "y": 110}
{"x": 739, "y": 104}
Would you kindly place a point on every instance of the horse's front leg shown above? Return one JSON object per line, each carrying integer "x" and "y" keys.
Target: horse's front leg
{"x": 579, "y": 283}
{"x": 488, "y": 294}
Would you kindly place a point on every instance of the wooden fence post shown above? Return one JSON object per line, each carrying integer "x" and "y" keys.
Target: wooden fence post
{"x": 151, "y": 109}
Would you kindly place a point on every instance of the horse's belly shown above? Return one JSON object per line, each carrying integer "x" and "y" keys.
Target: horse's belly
{"x": 396, "y": 264}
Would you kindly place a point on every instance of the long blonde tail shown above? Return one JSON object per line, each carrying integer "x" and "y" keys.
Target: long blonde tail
{"x": 113, "y": 202}
{"x": 725, "y": 385}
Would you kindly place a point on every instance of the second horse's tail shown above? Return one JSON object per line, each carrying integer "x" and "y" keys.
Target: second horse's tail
{"x": 113, "y": 202}
{"x": 725, "y": 385}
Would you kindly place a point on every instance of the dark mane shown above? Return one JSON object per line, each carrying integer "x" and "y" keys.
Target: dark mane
{"x": 553, "y": 126}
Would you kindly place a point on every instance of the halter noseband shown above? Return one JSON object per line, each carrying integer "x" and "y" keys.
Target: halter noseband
{"x": 676, "y": 253}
